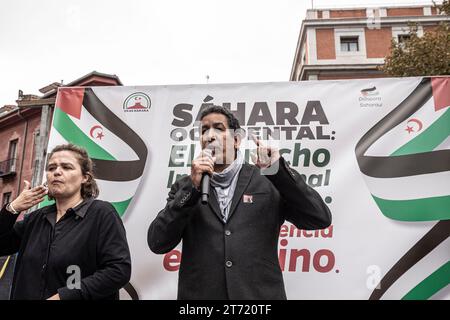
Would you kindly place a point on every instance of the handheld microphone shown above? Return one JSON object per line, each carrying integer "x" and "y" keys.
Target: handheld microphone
{"x": 204, "y": 184}
{"x": 205, "y": 188}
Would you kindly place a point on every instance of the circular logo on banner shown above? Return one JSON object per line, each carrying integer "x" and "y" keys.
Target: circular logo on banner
{"x": 137, "y": 102}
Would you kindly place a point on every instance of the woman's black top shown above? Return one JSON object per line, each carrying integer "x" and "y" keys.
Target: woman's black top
{"x": 84, "y": 255}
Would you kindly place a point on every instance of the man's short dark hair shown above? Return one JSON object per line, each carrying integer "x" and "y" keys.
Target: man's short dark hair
{"x": 233, "y": 123}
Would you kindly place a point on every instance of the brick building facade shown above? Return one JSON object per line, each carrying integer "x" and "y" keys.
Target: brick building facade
{"x": 20, "y": 132}
{"x": 352, "y": 43}
{"x": 24, "y": 130}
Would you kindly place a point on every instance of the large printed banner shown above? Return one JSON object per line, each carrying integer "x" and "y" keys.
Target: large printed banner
{"x": 376, "y": 150}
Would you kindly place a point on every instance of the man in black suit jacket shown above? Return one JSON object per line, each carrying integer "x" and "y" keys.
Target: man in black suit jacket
{"x": 230, "y": 245}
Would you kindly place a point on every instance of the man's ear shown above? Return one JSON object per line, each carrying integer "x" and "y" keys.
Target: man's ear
{"x": 239, "y": 134}
{"x": 237, "y": 139}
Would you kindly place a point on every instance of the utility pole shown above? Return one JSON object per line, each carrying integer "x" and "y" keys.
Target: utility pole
{"x": 41, "y": 147}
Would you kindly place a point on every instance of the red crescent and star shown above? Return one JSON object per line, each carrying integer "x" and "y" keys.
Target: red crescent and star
{"x": 410, "y": 129}
{"x": 99, "y": 131}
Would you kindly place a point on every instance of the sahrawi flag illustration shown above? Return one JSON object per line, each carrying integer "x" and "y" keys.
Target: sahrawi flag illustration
{"x": 118, "y": 153}
{"x": 405, "y": 160}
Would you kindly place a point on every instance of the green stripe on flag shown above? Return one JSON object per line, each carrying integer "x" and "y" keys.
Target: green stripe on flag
{"x": 72, "y": 133}
{"x": 46, "y": 202}
{"x": 429, "y": 139}
{"x": 431, "y": 285}
{"x": 122, "y": 206}
{"x": 426, "y": 209}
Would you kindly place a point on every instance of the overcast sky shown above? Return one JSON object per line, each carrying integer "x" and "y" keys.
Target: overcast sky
{"x": 149, "y": 42}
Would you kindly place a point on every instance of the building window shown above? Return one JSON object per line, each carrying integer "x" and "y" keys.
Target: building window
{"x": 6, "y": 198}
{"x": 402, "y": 34}
{"x": 401, "y": 38}
{"x": 349, "y": 44}
{"x": 12, "y": 155}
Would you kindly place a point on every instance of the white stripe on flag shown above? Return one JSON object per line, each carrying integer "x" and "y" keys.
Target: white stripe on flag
{"x": 413, "y": 187}
{"x": 114, "y": 191}
{"x": 110, "y": 142}
{"x": 55, "y": 139}
{"x": 444, "y": 145}
{"x": 421, "y": 270}
{"x": 398, "y": 136}
{"x": 109, "y": 190}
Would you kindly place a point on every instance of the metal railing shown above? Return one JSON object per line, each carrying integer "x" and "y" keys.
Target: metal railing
{"x": 8, "y": 167}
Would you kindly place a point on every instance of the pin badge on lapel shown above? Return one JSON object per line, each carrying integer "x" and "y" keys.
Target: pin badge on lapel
{"x": 247, "y": 198}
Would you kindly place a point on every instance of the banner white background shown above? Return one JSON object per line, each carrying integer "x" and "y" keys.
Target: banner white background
{"x": 364, "y": 243}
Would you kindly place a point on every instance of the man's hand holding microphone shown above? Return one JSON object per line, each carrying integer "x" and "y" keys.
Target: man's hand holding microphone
{"x": 201, "y": 170}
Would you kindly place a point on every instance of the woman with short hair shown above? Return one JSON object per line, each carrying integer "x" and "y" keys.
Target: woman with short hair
{"x": 73, "y": 249}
